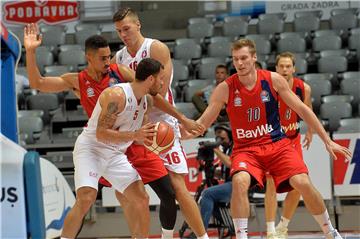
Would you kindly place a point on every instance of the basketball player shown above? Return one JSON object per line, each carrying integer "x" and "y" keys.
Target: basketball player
{"x": 100, "y": 149}
{"x": 88, "y": 85}
{"x": 285, "y": 66}
{"x": 137, "y": 47}
{"x": 251, "y": 99}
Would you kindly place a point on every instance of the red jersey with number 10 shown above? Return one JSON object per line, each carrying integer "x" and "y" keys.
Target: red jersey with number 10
{"x": 289, "y": 119}
{"x": 253, "y": 114}
{"x": 90, "y": 89}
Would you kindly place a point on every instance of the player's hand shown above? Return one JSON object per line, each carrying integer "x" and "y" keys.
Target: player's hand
{"x": 32, "y": 36}
{"x": 145, "y": 133}
{"x": 185, "y": 134}
{"x": 307, "y": 140}
{"x": 193, "y": 127}
{"x": 333, "y": 148}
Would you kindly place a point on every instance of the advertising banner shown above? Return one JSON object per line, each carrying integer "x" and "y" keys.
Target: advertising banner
{"x": 49, "y": 12}
{"x": 57, "y": 196}
{"x": 347, "y": 173}
{"x": 12, "y": 203}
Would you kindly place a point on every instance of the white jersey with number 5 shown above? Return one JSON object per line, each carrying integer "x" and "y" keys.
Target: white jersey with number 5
{"x": 124, "y": 57}
{"x": 130, "y": 119}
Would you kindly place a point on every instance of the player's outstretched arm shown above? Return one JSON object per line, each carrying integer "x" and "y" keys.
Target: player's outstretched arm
{"x": 218, "y": 99}
{"x": 32, "y": 40}
{"x": 189, "y": 124}
{"x": 289, "y": 97}
{"x": 307, "y": 100}
{"x": 112, "y": 102}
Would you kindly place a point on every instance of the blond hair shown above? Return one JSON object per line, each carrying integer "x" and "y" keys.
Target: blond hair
{"x": 244, "y": 43}
{"x": 285, "y": 54}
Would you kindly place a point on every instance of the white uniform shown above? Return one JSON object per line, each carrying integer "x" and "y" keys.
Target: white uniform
{"x": 174, "y": 159}
{"x": 93, "y": 159}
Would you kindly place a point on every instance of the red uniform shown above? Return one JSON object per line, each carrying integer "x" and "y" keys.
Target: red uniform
{"x": 289, "y": 119}
{"x": 90, "y": 91}
{"x": 259, "y": 143}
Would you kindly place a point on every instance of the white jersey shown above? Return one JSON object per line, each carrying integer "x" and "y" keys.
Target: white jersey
{"x": 124, "y": 57}
{"x": 130, "y": 119}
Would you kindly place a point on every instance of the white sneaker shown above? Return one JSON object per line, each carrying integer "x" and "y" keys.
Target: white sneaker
{"x": 282, "y": 233}
{"x": 333, "y": 235}
{"x": 271, "y": 235}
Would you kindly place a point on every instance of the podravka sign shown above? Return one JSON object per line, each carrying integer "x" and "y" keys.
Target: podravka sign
{"x": 50, "y": 12}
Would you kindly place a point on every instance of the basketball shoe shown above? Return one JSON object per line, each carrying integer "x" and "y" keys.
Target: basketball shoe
{"x": 334, "y": 234}
{"x": 281, "y": 233}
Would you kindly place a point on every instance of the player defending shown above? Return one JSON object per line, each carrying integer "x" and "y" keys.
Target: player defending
{"x": 136, "y": 48}
{"x": 100, "y": 149}
{"x": 285, "y": 66}
{"x": 251, "y": 99}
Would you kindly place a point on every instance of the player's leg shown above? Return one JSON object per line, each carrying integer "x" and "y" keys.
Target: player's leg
{"x": 126, "y": 180}
{"x": 270, "y": 206}
{"x": 314, "y": 203}
{"x": 153, "y": 172}
{"x": 85, "y": 198}
{"x": 246, "y": 171}
{"x": 211, "y": 195}
{"x": 175, "y": 162}
{"x": 88, "y": 168}
{"x": 289, "y": 207}
{"x": 168, "y": 209}
{"x": 187, "y": 204}
{"x": 130, "y": 215}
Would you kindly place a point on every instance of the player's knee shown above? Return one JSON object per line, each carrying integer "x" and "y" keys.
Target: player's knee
{"x": 240, "y": 185}
{"x": 85, "y": 201}
{"x": 301, "y": 183}
{"x": 143, "y": 201}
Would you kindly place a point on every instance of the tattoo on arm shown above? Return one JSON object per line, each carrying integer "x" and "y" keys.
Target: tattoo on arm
{"x": 108, "y": 117}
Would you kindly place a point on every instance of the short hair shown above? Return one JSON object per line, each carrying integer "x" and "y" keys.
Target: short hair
{"x": 124, "y": 12}
{"x": 285, "y": 54}
{"x": 244, "y": 43}
{"x": 258, "y": 65}
{"x": 222, "y": 66}
{"x": 95, "y": 42}
{"x": 146, "y": 68}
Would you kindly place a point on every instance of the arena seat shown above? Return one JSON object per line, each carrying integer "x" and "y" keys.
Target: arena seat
{"x": 332, "y": 112}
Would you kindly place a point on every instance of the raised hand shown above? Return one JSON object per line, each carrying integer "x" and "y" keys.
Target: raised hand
{"x": 333, "y": 148}
{"x": 32, "y": 36}
{"x": 145, "y": 133}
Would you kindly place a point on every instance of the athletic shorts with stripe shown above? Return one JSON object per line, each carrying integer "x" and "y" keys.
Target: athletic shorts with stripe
{"x": 280, "y": 159}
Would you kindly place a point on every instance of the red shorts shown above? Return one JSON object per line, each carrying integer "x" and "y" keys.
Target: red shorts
{"x": 280, "y": 159}
{"x": 148, "y": 164}
{"x": 296, "y": 142}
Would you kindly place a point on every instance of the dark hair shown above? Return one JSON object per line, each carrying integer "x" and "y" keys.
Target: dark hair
{"x": 258, "y": 65}
{"x": 222, "y": 66}
{"x": 95, "y": 42}
{"x": 226, "y": 127}
{"x": 123, "y": 12}
{"x": 146, "y": 68}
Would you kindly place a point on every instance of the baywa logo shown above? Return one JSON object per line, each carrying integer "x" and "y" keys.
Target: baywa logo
{"x": 9, "y": 194}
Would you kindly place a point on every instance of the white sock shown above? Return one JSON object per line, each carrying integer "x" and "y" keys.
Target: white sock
{"x": 167, "y": 234}
{"x": 284, "y": 222}
{"x": 241, "y": 226}
{"x": 64, "y": 238}
{"x": 324, "y": 222}
{"x": 270, "y": 227}
{"x": 205, "y": 236}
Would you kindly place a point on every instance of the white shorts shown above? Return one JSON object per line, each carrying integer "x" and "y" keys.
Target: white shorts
{"x": 175, "y": 158}
{"x": 92, "y": 160}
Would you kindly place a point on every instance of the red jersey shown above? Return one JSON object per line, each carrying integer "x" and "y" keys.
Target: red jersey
{"x": 289, "y": 119}
{"x": 253, "y": 114}
{"x": 90, "y": 89}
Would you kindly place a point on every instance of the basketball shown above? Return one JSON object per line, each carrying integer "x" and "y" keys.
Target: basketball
{"x": 163, "y": 140}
